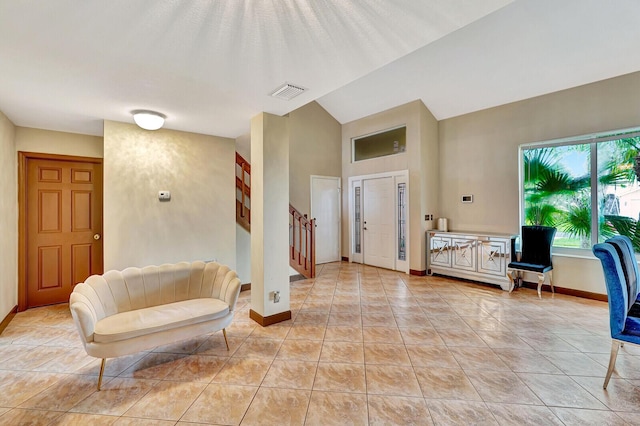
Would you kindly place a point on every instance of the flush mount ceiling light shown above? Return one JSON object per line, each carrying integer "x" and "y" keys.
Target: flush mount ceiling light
{"x": 287, "y": 91}
{"x": 148, "y": 120}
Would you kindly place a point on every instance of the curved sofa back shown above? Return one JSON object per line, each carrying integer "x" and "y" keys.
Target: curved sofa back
{"x": 136, "y": 288}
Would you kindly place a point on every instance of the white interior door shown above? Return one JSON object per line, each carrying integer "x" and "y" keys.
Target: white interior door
{"x": 325, "y": 208}
{"x": 378, "y": 222}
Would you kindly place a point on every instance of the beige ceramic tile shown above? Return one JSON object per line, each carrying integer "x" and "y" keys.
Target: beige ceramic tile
{"x": 510, "y": 414}
{"x": 343, "y": 333}
{"x": 63, "y": 394}
{"x": 300, "y": 350}
{"x": 431, "y": 356}
{"x": 289, "y": 374}
{"x": 334, "y": 408}
{"x": 451, "y": 412}
{"x": 277, "y": 407}
{"x": 166, "y": 400}
{"x": 21, "y": 416}
{"x": 221, "y": 404}
{"x": 196, "y": 368}
{"x": 381, "y": 335}
{"x": 258, "y": 348}
{"x": 306, "y": 332}
{"x": 342, "y": 352}
{"x": 153, "y": 366}
{"x": 378, "y": 353}
{"x": 133, "y": 421}
{"x": 243, "y": 371}
{"x": 501, "y": 386}
{"x": 392, "y": 380}
{"x": 391, "y": 410}
{"x": 340, "y": 378}
{"x": 560, "y": 391}
{"x": 577, "y": 417}
{"x": 115, "y": 397}
{"x": 81, "y": 419}
{"x": 445, "y": 383}
{"x": 17, "y": 387}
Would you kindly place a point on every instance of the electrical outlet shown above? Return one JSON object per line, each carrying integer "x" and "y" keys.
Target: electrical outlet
{"x": 276, "y": 296}
{"x": 164, "y": 195}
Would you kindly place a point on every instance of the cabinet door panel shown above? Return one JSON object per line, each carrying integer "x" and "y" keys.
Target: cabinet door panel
{"x": 464, "y": 256}
{"x": 492, "y": 257}
{"x": 440, "y": 251}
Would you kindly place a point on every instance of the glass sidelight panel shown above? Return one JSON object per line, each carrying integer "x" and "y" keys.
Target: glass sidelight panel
{"x": 357, "y": 222}
{"x": 402, "y": 221}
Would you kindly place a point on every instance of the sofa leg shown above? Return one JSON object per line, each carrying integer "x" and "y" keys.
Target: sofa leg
{"x": 224, "y": 333}
{"x": 101, "y": 372}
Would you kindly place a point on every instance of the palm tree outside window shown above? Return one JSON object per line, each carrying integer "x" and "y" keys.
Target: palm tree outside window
{"x": 588, "y": 189}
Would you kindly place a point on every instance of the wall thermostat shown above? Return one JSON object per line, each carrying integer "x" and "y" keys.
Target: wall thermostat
{"x": 164, "y": 195}
{"x": 467, "y": 198}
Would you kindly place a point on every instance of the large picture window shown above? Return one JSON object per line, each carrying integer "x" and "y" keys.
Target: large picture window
{"x": 587, "y": 188}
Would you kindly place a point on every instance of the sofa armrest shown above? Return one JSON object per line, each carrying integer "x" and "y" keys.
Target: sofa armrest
{"x": 84, "y": 316}
{"x": 230, "y": 290}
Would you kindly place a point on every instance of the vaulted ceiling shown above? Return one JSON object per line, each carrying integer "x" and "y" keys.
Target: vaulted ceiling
{"x": 210, "y": 65}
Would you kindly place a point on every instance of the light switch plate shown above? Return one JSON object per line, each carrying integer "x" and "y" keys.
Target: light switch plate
{"x": 164, "y": 195}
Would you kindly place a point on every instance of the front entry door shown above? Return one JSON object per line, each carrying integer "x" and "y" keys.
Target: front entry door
{"x": 378, "y": 222}
{"x": 63, "y": 220}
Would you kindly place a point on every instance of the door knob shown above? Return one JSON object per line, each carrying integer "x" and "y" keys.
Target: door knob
{"x": 96, "y": 237}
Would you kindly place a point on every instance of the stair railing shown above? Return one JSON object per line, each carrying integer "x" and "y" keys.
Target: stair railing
{"x": 302, "y": 248}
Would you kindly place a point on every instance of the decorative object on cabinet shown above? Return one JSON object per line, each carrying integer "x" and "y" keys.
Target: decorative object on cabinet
{"x": 470, "y": 255}
{"x": 621, "y": 277}
{"x": 535, "y": 256}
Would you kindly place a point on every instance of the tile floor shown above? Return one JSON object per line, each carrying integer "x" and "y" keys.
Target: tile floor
{"x": 365, "y": 346}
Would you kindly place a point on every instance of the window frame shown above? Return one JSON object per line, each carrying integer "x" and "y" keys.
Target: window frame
{"x": 591, "y": 139}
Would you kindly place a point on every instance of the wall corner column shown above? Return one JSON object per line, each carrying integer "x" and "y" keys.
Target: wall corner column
{"x": 269, "y": 219}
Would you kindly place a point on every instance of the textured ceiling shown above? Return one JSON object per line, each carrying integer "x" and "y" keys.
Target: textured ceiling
{"x": 209, "y": 65}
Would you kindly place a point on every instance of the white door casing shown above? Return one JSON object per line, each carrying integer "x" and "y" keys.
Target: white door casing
{"x": 389, "y": 208}
{"x": 325, "y": 209}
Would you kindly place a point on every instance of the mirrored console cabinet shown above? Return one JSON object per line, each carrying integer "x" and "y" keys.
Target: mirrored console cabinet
{"x": 470, "y": 255}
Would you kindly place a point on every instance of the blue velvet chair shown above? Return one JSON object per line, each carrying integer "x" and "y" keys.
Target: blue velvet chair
{"x": 535, "y": 256}
{"x": 621, "y": 277}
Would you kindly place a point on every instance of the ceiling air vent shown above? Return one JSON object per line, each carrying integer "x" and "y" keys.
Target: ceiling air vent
{"x": 287, "y": 91}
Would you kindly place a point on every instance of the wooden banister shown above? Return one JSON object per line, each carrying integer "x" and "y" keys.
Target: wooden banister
{"x": 302, "y": 231}
{"x": 302, "y": 247}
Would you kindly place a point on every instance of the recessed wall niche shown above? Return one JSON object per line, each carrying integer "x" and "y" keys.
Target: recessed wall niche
{"x": 380, "y": 144}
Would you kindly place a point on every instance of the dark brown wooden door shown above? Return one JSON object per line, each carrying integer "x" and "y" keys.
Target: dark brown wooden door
{"x": 63, "y": 227}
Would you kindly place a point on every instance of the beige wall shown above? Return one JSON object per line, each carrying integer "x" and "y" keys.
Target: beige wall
{"x": 51, "y": 142}
{"x": 314, "y": 149}
{"x": 479, "y": 156}
{"x": 420, "y": 159}
{"x": 8, "y": 217}
{"x": 198, "y": 222}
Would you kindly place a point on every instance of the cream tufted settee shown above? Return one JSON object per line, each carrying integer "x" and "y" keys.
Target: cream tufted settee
{"x": 123, "y": 312}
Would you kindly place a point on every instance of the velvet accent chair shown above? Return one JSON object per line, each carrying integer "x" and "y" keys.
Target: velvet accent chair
{"x": 535, "y": 256}
{"x": 621, "y": 278}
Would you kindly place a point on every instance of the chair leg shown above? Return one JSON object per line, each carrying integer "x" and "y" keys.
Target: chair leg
{"x": 512, "y": 285}
{"x": 101, "y": 372}
{"x": 224, "y": 333}
{"x": 540, "y": 281}
{"x": 551, "y": 281}
{"x": 615, "y": 345}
